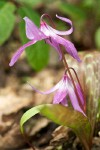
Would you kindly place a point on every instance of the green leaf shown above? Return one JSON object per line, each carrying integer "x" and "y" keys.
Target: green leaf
{"x": 30, "y": 3}
{"x": 73, "y": 11}
{"x": 60, "y": 115}
{"x": 97, "y": 37}
{"x": 10, "y": 7}
{"x": 98, "y": 112}
{"x": 91, "y": 78}
{"x": 2, "y": 3}
{"x": 37, "y": 54}
{"x": 88, "y": 3}
{"x": 7, "y": 21}
{"x": 27, "y": 11}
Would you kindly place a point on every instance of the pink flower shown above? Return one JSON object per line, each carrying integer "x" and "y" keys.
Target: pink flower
{"x": 65, "y": 92}
{"x": 50, "y": 35}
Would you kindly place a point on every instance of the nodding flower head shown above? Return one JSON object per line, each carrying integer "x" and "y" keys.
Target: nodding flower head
{"x": 50, "y": 35}
{"x": 64, "y": 92}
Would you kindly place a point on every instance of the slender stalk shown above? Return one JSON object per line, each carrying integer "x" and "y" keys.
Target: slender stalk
{"x": 66, "y": 66}
{"x": 80, "y": 87}
{"x": 69, "y": 72}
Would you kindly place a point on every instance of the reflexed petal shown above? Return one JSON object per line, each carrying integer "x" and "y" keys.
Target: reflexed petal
{"x": 69, "y": 46}
{"x": 32, "y": 32}
{"x": 62, "y": 32}
{"x": 74, "y": 100}
{"x": 54, "y": 44}
{"x": 47, "y": 92}
{"x": 19, "y": 52}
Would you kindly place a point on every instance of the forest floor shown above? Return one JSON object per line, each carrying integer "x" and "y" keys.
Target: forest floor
{"x": 16, "y": 96}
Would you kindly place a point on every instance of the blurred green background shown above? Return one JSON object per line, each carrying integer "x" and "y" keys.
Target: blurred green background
{"x": 85, "y": 15}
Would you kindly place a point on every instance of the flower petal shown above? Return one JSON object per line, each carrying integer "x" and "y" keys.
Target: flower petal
{"x": 64, "y": 102}
{"x": 69, "y": 46}
{"x": 32, "y": 32}
{"x": 62, "y": 90}
{"x": 54, "y": 44}
{"x": 59, "y": 96}
{"x": 62, "y": 32}
{"x": 74, "y": 100}
{"x": 19, "y": 52}
{"x": 47, "y": 92}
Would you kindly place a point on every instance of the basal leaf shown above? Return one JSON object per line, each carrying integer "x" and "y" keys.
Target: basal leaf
{"x": 7, "y": 21}
{"x": 37, "y": 54}
{"x": 98, "y": 112}
{"x": 89, "y": 74}
{"x": 97, "y": 37}
{"x": 60, "y": 115}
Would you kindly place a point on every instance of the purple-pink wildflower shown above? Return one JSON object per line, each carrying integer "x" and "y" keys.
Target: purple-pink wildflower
{"x": 64, "y": 92}
{"x": 50, "y": 35}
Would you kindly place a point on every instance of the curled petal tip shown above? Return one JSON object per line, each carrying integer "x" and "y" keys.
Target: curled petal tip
{"x": 10, "y": 64}
{"x": 63, "y": 32}
{"x": 25, "y": 18}
{"x": 56, "y": 15}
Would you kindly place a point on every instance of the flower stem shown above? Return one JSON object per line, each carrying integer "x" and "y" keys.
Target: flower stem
{"x": 87, "y": 144}
{"x": 69, "y": 72}
{"x": 80, "y": 87}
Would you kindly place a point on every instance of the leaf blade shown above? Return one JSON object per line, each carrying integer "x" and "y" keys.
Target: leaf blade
{"x": 7, "y": 21}
{"x": 57, "y": 113}
{"x": 73, "y": 11}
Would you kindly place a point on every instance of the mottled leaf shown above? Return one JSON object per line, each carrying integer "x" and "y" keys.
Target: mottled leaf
{"x": 89, "y": 74}
{"x": 97, "y": 37}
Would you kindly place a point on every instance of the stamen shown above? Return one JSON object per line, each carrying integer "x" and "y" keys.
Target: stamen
{"x": 50, "y": 19}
